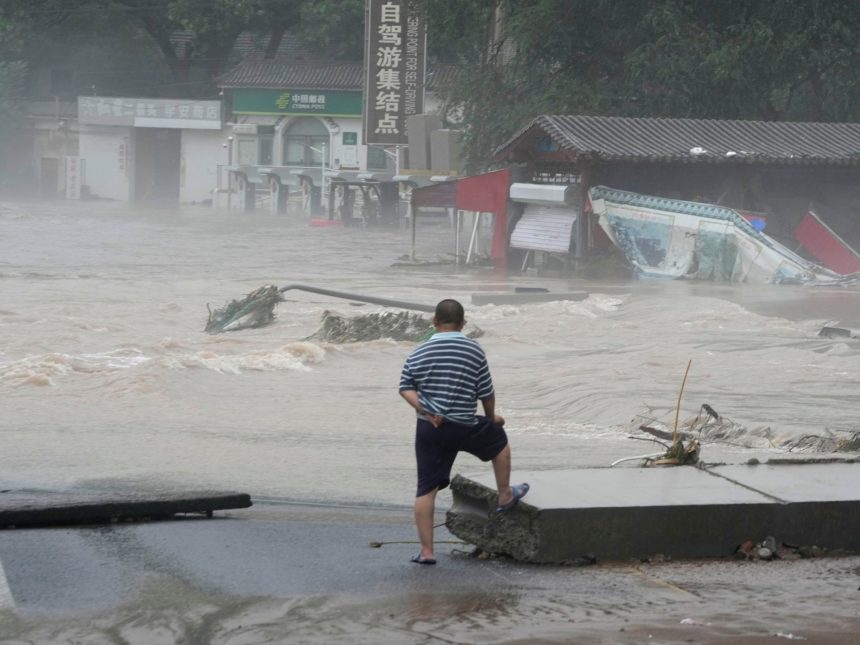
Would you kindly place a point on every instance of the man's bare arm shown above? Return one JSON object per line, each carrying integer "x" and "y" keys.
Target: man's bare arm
{"x": 411, "y": 397}
{"x": 490, "y": 409}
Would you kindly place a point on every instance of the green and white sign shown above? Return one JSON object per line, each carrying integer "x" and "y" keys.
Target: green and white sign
{"x": 297, "y": 102}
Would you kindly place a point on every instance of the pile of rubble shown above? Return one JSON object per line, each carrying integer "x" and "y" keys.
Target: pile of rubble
{"x": 770, "y": 549}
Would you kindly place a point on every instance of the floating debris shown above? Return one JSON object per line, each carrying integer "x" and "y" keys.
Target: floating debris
{"x": 258, "y": 307}
{"x": 402, "y": 325}
{"x": 839, "y": 332}
{"x": 710, "y": 427}
{"x": 679, "y": 455}
{"x": 254, "y": 310}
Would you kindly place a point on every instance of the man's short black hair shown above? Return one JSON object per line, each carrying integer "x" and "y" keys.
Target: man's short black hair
{"x": 449, "y": 312}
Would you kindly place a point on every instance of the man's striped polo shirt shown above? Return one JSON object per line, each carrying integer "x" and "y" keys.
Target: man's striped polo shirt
{"x": 451, "y": 374}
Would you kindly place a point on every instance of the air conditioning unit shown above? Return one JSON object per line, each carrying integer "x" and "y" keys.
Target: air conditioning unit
{"x": 546, "y": 194}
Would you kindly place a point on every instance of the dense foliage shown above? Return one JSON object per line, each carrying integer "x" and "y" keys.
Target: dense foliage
{"x": 12, "y": 75}
{"x": 728, "y": 59}
{"x": 159, "y": 47}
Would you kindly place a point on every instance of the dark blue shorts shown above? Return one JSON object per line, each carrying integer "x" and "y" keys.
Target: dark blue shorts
{"x": 437, "y": 448}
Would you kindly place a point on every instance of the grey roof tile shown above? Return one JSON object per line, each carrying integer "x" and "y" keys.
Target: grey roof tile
{"x": 696, "y": 140}
{"x": 280, "y": 74}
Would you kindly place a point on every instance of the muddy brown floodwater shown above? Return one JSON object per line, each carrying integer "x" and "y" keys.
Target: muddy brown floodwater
{"x": 109, "y": 382}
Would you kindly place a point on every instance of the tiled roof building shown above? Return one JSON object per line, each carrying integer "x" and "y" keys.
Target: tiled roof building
{"x": 603, "y": 138}
{"x": 282, "y": 73}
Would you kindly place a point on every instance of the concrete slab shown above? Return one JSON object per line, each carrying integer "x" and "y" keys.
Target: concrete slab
{"x": 526, "y": 297}
{"x": 793, "y": 483}
{"x": 48, "y": 508}
{"x": 627, "y": 513}
{"x": 820, "y": 506}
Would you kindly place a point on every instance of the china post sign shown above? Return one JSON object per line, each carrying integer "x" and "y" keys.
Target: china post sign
{"x": 396, "y": 43}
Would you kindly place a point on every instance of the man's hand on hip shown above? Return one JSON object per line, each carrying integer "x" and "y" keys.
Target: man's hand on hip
{"x": 436, "y": 419}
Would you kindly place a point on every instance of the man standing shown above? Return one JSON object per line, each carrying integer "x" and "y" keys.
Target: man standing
{"x": 443, "y": 379}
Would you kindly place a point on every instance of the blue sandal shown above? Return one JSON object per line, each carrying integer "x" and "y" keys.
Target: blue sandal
{"x": 417, "y": 559}
{"x": 519, "y": 492}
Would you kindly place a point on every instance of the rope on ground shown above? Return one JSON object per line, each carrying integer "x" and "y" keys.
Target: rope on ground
{"x": 376, "y": 545}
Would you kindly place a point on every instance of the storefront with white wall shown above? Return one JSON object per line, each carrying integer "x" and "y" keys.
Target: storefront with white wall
{"x": 283, "y": 111}
{"x": 298, "y": 127}
{"x": 202, "y": 153}
{"x": 150, "y": 150}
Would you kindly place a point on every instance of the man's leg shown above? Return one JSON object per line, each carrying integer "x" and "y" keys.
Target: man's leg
{"x": 425, "y": 508}
{"x": 502, "y": 471}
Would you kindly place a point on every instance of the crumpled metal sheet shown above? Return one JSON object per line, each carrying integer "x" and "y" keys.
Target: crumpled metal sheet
{"x": 672, "y": 238}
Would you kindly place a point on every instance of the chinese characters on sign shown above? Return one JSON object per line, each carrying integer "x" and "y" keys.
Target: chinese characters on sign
{"x": 152, "y": 113}
{"x": 295, "y": 102}
{"x": 122, "y": 155}
{"x": 395, "y": 57}
{"x": 349, "y": 150}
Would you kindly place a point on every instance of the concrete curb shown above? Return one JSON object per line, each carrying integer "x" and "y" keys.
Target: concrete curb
{"x": 624, "y": 513}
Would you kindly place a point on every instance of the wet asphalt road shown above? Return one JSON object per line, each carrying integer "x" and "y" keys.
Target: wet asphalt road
{"x": 56, "y": 571}
{"x": 290, "y": 573}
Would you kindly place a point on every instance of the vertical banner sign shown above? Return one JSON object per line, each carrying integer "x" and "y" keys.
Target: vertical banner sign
{"x": 395, "y": 54}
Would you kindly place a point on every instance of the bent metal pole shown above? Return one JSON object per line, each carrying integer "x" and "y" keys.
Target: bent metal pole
{"x": 361, "y": 298}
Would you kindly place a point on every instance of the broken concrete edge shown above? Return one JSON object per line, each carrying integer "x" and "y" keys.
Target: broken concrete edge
{"x": 510, "y": 533}
{"x": 30, "y": 511}
{"x": 488, "y": 496}
{"x": 640, "y": 533}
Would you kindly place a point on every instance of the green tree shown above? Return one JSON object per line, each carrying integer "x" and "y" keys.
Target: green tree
{"x": 12, "y": 77}
{"x": 776, "y": 60}
{"x": 216, "y": 24}
{"x": 13, "y": 32}
{"x": 722, "y": 59}
{"x": 726, "y": 59}
{"x": 334, "y": 28}
{"x": 210, "y": 28}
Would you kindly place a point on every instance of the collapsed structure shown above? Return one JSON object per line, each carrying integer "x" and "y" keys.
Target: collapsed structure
{"x": 696, "y": 177}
